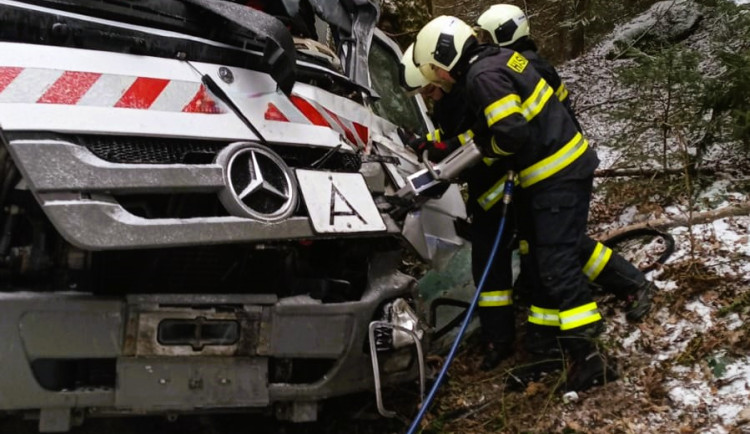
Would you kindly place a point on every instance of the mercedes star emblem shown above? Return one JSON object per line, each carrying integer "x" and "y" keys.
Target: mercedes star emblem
{"x": 259, "y": 184}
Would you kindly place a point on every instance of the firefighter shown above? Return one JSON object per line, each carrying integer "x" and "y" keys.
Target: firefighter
{"x": 507, "y": 26}
{"x": 521, "y": 123}
{"x": 451, "y": 116}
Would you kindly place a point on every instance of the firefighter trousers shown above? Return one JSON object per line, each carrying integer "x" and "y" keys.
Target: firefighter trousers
{"x": 608, "y": 270}
{"x": 601, "y": 265}
{"x": 554, "y": 216}
{"x": 495, "y": 307}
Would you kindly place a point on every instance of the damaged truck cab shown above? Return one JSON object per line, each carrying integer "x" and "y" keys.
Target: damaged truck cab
{"x": 196, "y": 208}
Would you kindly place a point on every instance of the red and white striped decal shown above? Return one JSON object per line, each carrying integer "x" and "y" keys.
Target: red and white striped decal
{"x": 355, "y": 133}
{"x": 54, "y": 86}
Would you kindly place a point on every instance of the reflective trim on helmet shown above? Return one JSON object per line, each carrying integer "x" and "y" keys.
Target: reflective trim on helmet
{"x": 502, "y": 108}
{"x": 579, "y": 316}
{"x": 496, "y": 298}
{"x": 597, "y": 261}
{"x": 544, "y": 317}
{"x": 561, "y": 92}
{"x": 555, "y": 162}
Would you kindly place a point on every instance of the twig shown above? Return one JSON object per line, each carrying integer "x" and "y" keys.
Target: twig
{"x": 599, "y": 104}
{"x": 478, "y": 408}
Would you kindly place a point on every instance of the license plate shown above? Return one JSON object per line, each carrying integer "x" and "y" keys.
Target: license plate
{"x": 339, "y": 202}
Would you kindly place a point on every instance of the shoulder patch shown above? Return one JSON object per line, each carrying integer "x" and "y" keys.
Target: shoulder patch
{"x": 517, "y": 62}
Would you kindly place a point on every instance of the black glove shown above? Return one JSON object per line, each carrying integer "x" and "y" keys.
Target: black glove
{"x": 405, "y": 135}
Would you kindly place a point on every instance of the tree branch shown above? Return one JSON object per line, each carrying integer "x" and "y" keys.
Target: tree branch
{"x": 742, "y": 208}
{"x": 612, "y": 173}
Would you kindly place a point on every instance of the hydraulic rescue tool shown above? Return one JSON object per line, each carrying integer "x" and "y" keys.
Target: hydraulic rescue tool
{"x": 445, "y": 171}
{"x": 432, "y": 181}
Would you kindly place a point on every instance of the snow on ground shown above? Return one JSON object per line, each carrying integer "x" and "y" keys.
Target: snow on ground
{"x": 710, "y": 390}
{"x": 685, "y": 368}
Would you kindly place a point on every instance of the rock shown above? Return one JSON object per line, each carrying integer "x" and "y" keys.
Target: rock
{"x": 569, "y": 397}
{"x": 744, "y": 416}
{"x": 664, "y": 23}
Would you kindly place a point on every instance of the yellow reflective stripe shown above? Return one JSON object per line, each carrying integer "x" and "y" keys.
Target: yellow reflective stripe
{"x": 555, "y": 162}
{"x": 489, "y": 198}
{"x": 579, "y": 316}
{"x": 434, "y": 135}
{"x": 523, "y": 247}
{"x": 561, "y": 92}
{"x": 502, "y": 108}
{"x": 510, "y": 104}
{"x": 496, "y": 149}
{"x": 535, "y": 103}
{"x": 496, "y": 298}
{"x": 489, "y": 161}
{"x": 544, "y": 317}
{"x": 465, "y": 137}
{"x": 597, "y": 261}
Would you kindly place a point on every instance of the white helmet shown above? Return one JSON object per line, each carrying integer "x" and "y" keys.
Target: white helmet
{"x": 506, "y": 23}
{"x": 411, "y": 78}
{"x": 441, "y": 43}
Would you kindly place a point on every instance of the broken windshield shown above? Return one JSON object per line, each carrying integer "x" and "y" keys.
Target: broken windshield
{"x": 394, "y": 104}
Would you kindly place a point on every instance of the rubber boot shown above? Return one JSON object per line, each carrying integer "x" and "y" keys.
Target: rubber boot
{"x": 588, "y": 368}
{"x": 542, "y": 343}
{"x": 494, "y": 354}
{"x": 532, "y": 371}
{"x": 545, "y": 357}
{"x": 639, "y": 302}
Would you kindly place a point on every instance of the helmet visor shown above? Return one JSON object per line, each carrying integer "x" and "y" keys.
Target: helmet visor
{"x": 428, "y": 70}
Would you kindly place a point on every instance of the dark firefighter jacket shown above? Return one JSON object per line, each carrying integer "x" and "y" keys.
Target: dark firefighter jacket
{"x": 521, "y": 120}
{"x": 453, "y": 117}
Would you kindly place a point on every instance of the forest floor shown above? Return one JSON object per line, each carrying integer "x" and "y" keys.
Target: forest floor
{"x": 686, "y": 367}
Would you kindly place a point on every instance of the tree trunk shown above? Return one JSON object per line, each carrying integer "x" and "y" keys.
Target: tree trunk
{"x": 671, "y": 222}
{"x": 578, "y": 34}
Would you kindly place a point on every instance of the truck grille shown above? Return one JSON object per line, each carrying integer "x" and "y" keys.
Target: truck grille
{"x": 136, "y": 150}
{"x": 149, "y": 150}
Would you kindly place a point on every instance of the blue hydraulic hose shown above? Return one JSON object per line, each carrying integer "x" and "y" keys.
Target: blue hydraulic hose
{"x": 507, "y": 195}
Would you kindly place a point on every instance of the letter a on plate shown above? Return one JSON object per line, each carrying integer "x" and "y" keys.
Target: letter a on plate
{"x": 339, "y": 202}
